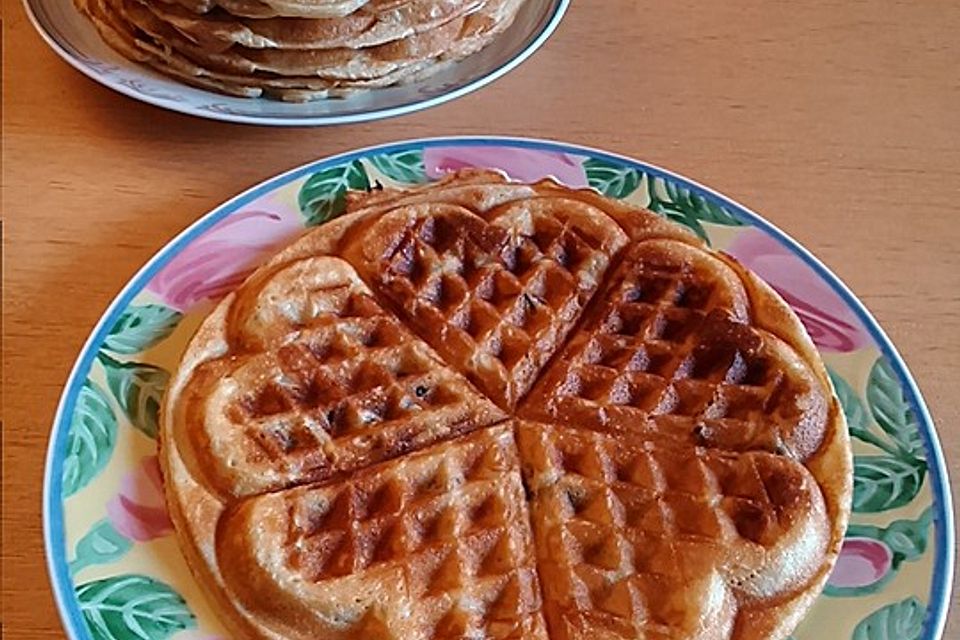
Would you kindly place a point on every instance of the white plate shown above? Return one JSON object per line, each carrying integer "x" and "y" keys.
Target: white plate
{"x": 76, "y": 40}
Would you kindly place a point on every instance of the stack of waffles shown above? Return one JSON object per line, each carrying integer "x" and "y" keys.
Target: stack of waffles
{"x": 490, "y": 410}
{"x": 298, "y": 50}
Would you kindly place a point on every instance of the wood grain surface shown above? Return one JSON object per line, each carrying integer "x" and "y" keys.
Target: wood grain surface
{"x": 838, "y": 120}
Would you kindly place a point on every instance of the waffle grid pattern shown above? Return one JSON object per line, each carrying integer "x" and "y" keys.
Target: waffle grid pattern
{"x": 350, "y": 386}
{"x": 622, "y": 529}
{"x": 664, "y": 359}
{"x": 453, "y": 519}
{"x": 507, "y": 296}
{"x": 353, "y": 371}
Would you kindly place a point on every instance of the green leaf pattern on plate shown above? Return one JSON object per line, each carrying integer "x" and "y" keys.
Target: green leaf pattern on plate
{"x": 891, "y": 411}
{"x": 611, "y": 179}
{"x": 907, "y": 539}
{"x": 141, "y": 327}
{"x": 402, "y": 166}
{"x": 899, "y": 621}
{"x": 322, "y": 196}
{"x": 138, "y": 389}
{"x": 100, "y": 545}
{"x": 881, "y": 483}
{"x": 91, "y": 439}
{"x": 686, "y": 207}
{"x": 667, "y": 198}
{"x": 857, "y": 420}
{"x": 132, "y": 607}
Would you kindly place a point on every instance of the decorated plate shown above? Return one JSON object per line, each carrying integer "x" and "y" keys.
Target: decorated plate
{"x": 114, "y": 561}
{"x": 76, "y": 40}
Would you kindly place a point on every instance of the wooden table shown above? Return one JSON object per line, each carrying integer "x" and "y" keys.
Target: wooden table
{"x": 840, "y": 121}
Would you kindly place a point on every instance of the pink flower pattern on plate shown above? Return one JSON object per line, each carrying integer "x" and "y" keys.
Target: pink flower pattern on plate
{"x": 526, "y": 165}
{"x": 862, "y": 562}
{"x": 218, "y": 261}
{"x": 828, "y": 319}
{"x": 139, "y": 511}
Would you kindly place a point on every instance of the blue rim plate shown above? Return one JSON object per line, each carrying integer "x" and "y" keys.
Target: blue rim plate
{"x": 896, "y": 569}
{"x": 75, "y": 40}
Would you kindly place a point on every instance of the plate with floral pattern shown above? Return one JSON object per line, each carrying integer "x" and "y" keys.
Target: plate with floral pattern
{"x": 115, "y": 566}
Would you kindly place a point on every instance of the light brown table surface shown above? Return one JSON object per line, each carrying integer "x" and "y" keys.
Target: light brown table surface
{"x": 838, "y": 120}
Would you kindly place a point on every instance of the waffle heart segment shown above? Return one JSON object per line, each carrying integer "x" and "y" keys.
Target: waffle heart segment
{"x": 436, "y": 545}
{"x": 314, "y": 379}
{"x": 642, "y": 540}
{"x": 494, "y": 295}
{"x": 668, "y": 352}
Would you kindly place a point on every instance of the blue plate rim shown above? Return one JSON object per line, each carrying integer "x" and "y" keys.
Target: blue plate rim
{"x": 63, "y": 50}
{"x": 52, "y": 508}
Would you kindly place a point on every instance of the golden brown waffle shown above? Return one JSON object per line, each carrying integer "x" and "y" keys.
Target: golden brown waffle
{"x": 378, "y": 22}
{"x": 668, "y": 353}
{"x": 336, "y": 64}
{"x": 251, "y": 53}
{"x": 132, "y": 43}
{"x": 437, "y": 545}
{"x": 640, "y": 540}
{"x": 318, "y": 9}
{"x": 328, "y": 383}
{"x": 335, "y": 468}
{"x": 495, "y": 296}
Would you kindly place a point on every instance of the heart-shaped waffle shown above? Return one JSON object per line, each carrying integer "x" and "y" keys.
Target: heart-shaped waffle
{"x": 637, "y": 539}
{"x": 436, "y": 545}
{"x": 667, "y": 352}
{"x": 496, "y": 296}
{"x": 341, "y": 460}
{"x": 312, "y": 378}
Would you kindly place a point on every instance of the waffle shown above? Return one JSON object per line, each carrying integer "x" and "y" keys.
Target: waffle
{"x": 436, "y": 545}
{"x": 328, "y": 384}
{"x": 668, "y": 353}
{"x": 342, "y": 457}
{"x": 343, "y": 63}
{"x": 494, "y": 296}
{"x": 319, "y": 9}
{"x": 259, "y": 49}
{"x": 376, "y": 23}
{"x": 125, "y": 38}
{"x": 640, "y": 540}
